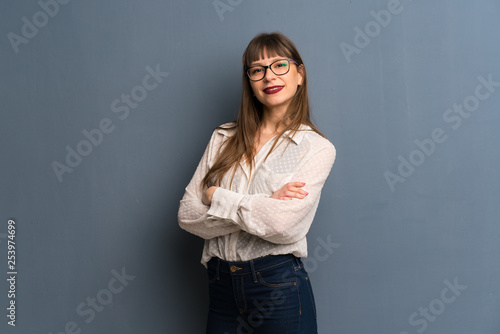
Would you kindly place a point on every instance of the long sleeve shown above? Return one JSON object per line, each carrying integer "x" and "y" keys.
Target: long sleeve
{"x": 278, "y": 221}
{"x": 192, "y": 215}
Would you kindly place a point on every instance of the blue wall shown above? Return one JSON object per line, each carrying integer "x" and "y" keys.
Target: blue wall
{"x": 106, "y": 108}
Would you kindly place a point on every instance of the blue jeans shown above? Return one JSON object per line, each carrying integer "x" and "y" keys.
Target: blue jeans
{"x": 267, "y": 295}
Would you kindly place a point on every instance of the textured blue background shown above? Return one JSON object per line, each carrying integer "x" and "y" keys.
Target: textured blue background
{"x": 394, "y": 245}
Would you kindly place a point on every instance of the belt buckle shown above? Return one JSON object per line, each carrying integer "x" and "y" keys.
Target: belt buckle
{"x": 234, "y": 268}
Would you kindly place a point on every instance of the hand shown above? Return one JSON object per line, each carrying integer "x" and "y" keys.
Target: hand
{"x": 207, "y": 195}
{"x": 290, "y": 191}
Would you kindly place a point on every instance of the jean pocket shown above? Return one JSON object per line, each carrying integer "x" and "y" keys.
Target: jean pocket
{"x": 212, "y": 275}
{"x": 279, "y": 276}
{"x": 311, "y": 293}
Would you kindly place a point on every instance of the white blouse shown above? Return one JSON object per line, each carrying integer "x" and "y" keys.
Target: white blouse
{"x": 243, "y": 222}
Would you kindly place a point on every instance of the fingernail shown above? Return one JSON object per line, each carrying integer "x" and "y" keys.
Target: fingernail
{"x": 303, "y": 183}
{"x": 307, "y": 193}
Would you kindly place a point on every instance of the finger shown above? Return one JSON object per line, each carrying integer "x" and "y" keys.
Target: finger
{"x": 300, "y": 194}
{"x": 294, "y": 194}
{"x": 293, "y": 185}
{"x": 291, "y": 194}
{"x": 297, "y": 191}
{"x": 296, "y": 184}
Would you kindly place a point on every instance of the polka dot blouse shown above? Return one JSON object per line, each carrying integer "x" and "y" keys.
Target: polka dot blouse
{"x": 243, "y": 222}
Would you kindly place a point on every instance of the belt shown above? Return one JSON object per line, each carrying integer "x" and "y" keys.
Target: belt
{"x": 251, "y": 266}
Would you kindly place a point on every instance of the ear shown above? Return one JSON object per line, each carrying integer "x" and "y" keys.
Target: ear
{"x": 300, "y": 72}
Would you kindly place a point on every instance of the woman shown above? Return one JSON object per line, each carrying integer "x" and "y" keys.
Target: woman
{"x": 254, "y": 195}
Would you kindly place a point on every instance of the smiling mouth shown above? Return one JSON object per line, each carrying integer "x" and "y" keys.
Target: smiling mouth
{"x": 273, "y": 90}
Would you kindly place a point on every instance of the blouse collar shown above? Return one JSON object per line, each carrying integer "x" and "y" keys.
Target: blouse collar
{"x": 297, "y": 138}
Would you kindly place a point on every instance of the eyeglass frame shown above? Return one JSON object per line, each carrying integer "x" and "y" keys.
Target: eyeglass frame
{"x": 269, "y": 67}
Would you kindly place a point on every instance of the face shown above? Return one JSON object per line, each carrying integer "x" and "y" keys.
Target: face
{"x": 275, "y": 92}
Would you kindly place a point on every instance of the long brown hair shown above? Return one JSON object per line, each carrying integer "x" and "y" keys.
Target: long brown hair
{"x": 241, "y": 144}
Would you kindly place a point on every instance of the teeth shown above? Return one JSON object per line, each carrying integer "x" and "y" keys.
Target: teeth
{"x": 273, "y": 89}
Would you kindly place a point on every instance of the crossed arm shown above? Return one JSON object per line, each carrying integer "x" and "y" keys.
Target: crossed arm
{"x": 282, "y": 217}
{"x": 289, "y": 191}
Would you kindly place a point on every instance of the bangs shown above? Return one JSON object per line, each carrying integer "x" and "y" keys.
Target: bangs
{"x": 265, "y": 46}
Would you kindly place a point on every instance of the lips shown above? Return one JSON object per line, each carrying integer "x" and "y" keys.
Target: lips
{"x": 273, "y": 89}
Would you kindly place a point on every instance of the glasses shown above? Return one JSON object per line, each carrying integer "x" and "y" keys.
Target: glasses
{"x": 278, "y": 67}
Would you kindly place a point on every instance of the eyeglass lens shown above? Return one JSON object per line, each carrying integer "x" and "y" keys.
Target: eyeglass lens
{"x": 279, "y": 67}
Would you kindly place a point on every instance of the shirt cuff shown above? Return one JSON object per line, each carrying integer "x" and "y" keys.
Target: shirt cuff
{"x": 225, "y": 204}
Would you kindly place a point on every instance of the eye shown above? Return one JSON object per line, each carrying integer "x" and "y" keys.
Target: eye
{"x": 256, "y": 70}
{"x": 281, "y": 64}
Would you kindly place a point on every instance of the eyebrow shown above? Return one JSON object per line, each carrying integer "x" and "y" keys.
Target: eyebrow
{"x": 273, "y": 59}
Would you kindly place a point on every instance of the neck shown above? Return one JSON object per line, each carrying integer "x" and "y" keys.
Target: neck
{"x": 271, "y": 120}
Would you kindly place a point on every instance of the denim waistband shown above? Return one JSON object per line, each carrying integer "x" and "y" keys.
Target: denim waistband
{"x": 251, "y": 266}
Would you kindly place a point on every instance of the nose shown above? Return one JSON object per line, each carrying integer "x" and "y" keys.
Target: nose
{"x": 269, "y": 74}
